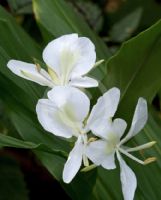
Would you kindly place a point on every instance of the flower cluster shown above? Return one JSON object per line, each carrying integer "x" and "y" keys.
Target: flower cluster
{"x": 66, "y": 110}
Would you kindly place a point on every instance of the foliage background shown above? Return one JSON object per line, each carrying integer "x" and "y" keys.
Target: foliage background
{"x": 25, "y": 28}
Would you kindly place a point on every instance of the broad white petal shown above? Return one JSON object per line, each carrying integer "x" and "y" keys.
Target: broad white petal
{"x": 128, "y": 179}
{"x": 48, "y": 116}
{"x": 87, "y": 56}
{"x": 70, "y": 56}
{"x": 108, "y": 130}
{"x": 57, "y": 51}
{"x": 74, "y": 162}
{"x": 100, "y": 154}
{"x": 139, "y": 119}
{"x": 119, "y": 127}
{"x": 84, "y": 82}
{"x": 30, "y": 72}
{"x": 73, "y": 102}
{"x": 101, "y": 128}
{"x": 105, "y": 107}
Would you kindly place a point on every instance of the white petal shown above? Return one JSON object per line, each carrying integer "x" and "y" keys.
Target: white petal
{"x": 48, "y": 116}
{"x": 139, "y": 119}
{"x": 128, "y": 179}
{"x": 87, "y": 56}
{"x": 101, "y": 128}
{"x": 99, "y": 153}
{"x": 71, "y": 101}
{"x": 30, "y": 72}
{"x": 84, "y": 82}
{"x": 74, "y": 162}
{"x": 108, "y": 130}
{"x": 119, "y": 127}
{"x": 105, "y": 107}
{"x": 53, "y": 52}
{"x": 70, "y": 56}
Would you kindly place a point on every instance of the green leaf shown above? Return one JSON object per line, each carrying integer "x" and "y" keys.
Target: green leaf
{"x": 13, "y": 37}
{"x": 64, "y": 21}
{"x": 82, "y": 185}
{"x": 12, "y": 185}
{"x": 136, "y": 70}
{"x": 8, "y": 141}
{"x": 23, "y": 6}
{"x": 123, "y": 29}
{"x": 129, "y": 6}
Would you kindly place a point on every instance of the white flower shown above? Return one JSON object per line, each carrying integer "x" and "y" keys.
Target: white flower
{"x": 68, "y": 58}
{"x": 102, "y": 152}
{"x": 65, "y": 114}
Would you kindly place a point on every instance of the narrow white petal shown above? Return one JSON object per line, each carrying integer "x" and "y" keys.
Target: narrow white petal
{"x": 73, "y": 102}
{"x": 128, "y": 179}
{"x": 105, "y": 107}
{"x": 99, "y": 153}
{"x": 119, "y": 127}
{"x": 74, "y": 162}
{"x": 84, "y": 82}
{"x": 30, "y": 72}
{"x": 48, "y": 116}
{"x": 139, "y": 119}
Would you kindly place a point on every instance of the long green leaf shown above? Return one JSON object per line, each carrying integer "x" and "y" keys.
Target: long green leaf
{"x": 136, "y": 70}
{"x": 18, "y": 95}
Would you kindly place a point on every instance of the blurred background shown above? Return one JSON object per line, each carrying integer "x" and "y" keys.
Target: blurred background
{"x": 115, "y": 21}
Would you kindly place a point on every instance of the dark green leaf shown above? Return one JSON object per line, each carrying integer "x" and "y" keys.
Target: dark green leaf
{"x": 123, "y": 29}
{"x": 12, "y": 185}
{"x": 136, "y": 70}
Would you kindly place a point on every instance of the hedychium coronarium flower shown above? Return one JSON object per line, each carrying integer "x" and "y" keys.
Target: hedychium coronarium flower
{"x": 102, "y": 151}
{"x": 66, "y": 113}
{"x": 68, "y": 59}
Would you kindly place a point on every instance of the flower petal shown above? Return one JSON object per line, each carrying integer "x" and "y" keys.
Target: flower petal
{"x": 70, "y": 56}
{"x": 48, "y": 116}
{"x": 101, "y": 128}
{"x": 73, "y": 102}
{"x": 128, "y": 179}
{"x": 30, "y": 72}
{"x": 98, "y": 153}
{"x": 87, "y": 56}
{"x": 74, "y": 162}
{"x": 105, "y": 107}
{"x": 84, "y": 82}
{"x": 119, "y": 127}
{"x": 54, "y": 51}
{"x": 139, "y": 119}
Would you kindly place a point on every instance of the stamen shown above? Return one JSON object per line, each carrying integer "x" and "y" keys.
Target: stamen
{"x": 90, "y": 167}
{"x": 38, "y": 67}
{"x": 150, "y": 160}
{"x": 144, "y": 146}
{"x": 85, "y": 161}
{"x": 98, "y": 63}
{"x": 131, "y": 156}
{"x": 92, "y": 140}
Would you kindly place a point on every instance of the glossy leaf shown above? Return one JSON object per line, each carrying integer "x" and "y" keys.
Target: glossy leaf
{"x": 136, "y": 70}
